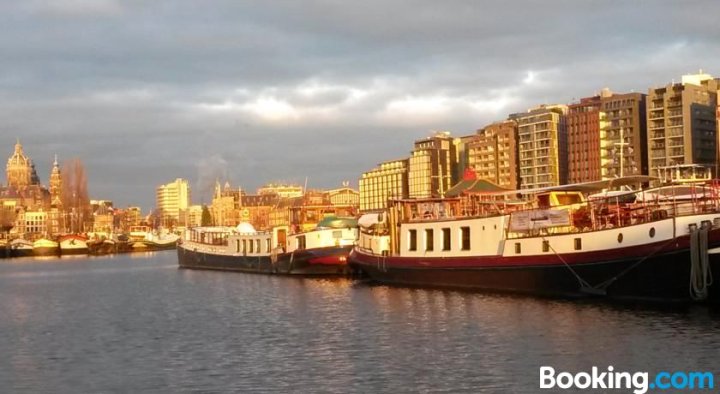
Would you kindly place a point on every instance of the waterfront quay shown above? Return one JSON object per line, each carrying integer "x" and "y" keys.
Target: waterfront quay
{"x": 135, "y": 323}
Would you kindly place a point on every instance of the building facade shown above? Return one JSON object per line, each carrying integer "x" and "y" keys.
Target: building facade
{"x": 56, "y": 185}
{"x": 225, "y": 206}
{"x": 388, "y": 180}
{"x": 431, "y": 166}
{"x": 19, "y": 169}
{"x": 194, "y": 216}
{"x": 681, "y": 121}
{"x": 344, "y": 196}
{"x": 281, "y": 190}
{"x": 172, "y": 202}
{"x": 583, "y": 131}
{"x": 542, "y": 146}
{"x": 623, "y": 135}
{"x": 492, "y": 154}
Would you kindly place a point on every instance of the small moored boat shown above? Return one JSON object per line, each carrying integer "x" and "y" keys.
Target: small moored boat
{"x": 318, "y": 252}
{"x": 46, "y": 247}
{"x": 73, "y": 244}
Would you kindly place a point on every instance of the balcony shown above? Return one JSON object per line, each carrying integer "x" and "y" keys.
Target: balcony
{"x": 675, "y": 132}
{"x": 655, "y": 154}
{"x": 657, "y": 114}
{"x": 657, "y": 135}
{"x": 675, "y": 152}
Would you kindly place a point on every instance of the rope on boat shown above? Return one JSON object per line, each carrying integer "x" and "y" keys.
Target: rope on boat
{"x": 604, "y": 285}
{"x": 584, "y": 285}
{"x": 290, "y": 266}
{"x": 700, "y": 274}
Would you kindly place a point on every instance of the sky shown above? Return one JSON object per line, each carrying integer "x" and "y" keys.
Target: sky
{"x": 144, "y": 92}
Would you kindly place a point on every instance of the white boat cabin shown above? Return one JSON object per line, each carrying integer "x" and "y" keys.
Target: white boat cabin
{"x": 246, "y": 241}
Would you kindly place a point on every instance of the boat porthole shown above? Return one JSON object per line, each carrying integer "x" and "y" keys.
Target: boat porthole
{"x": 495, "y": 226}
{"x": 652, "y": 232}
{"x": 483, "y": 228}
{"x": 620, "y": 238}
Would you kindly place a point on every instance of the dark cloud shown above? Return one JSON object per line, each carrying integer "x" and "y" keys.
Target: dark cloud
{"x": 145, "y": 92}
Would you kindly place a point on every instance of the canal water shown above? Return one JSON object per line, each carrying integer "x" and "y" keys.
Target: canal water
{"x": 136, "y": 323}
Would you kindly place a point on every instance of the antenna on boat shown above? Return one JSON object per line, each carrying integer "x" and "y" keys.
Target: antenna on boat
{"x": 622, "y": 145}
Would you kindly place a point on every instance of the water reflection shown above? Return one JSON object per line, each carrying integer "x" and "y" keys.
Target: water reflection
{"x": 130, "y": 323}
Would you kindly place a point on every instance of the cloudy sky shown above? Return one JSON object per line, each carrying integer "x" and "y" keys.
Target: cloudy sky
{"x": 255, "y": 91}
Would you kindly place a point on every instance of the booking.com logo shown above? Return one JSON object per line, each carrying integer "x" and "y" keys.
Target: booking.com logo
{"x": 640, "y": 382}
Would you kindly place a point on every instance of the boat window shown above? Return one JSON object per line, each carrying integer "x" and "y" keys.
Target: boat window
{"x": 268, "y": 246}
{"x": 620, "y": 238}
{"x": 257, "y": 245}
{"x": 244, "y": 249}
{"x": 446, "y": 239}
{"x": 578, "y": 243}
{"x": 652, "y": 232}
{"x": 518, "y": 249}
{"x": 237, "y": 241}
{"x": 569, "y": 198}
{"x": 429, "y": 240}
{"x": 543, "y": 201}
{"x": 301, "y": 242}
{"x": 546, "y": 246}
{"x": 252, "y": 244}
{"x": 412, "y": 241}
{"x": 465, "y": 237}
{"x": 337, "y": 234}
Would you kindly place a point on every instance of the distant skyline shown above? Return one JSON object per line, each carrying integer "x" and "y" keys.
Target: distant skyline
{"x": 255, "y": 92}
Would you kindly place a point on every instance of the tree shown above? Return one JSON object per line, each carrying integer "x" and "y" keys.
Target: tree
{"x": 7, "y": 219}
{"x": 206, "y": 218}
{"x": 76, "y": 202}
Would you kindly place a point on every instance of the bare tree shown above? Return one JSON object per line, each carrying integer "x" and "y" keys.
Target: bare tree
{"x": 7, "y": 219}
{"x": 75, "y": 198}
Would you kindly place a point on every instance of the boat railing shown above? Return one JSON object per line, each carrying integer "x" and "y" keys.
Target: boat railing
{"x": 610, "y": 212}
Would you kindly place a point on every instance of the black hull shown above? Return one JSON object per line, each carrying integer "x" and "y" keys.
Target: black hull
{"x": 72, "y": 252}
{"x": 46, "y": 252}
{"x": 663, "y": 277}
{"x": 302, "y": 263}
{"x": 21, "y": 253}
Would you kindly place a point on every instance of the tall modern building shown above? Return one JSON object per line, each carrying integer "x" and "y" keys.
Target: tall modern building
{"x": 542, "y": 146}
{"x": 681, "y": 121}
{"x": 492, "y": 154}
{"x": 172, "y": 202}
{"x": 431, "y": 166}
{"x": 583, "y": 130}
{"x": 388, "y": 180}
{"x": 623, "y": 135}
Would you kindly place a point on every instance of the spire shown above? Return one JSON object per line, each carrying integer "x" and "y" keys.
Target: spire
{"x": 55, "y": 163}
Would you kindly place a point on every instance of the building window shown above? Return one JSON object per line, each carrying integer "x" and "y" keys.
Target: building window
{"x": 412, "y": 242}
{"x": 446, "y": 239}
{"x": 429, "y": 240}
{"x": 465, "y": 237}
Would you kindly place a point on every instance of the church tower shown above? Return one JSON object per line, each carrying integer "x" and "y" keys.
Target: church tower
{"x": 19, "y": 169}
{"x": 55, "y": 185}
